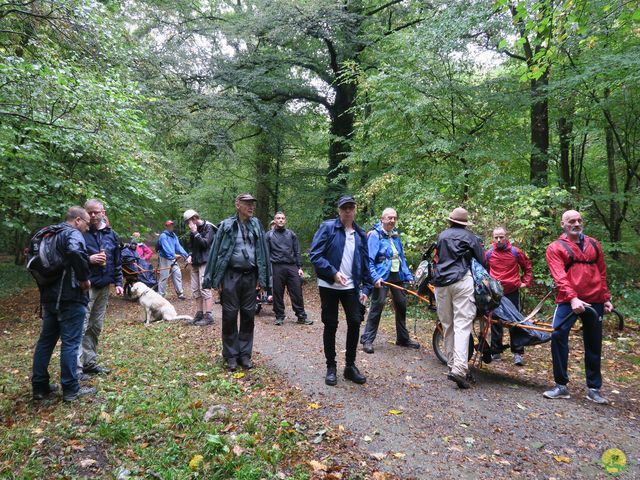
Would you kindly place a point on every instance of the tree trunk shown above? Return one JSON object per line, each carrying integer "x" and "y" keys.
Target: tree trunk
{"x": 539, "y": 131}
{"x": 615, "y": 220}
{"x": 264, "y": 159}
{"x": 341, "y": 131}
{"x": 565, "y": 128}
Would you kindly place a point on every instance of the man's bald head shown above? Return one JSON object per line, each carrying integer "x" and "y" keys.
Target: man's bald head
{"x": 572, "y": 224}
{"x": 388, "y": 219}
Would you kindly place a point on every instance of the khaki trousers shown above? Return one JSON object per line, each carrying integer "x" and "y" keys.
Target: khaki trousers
{"x": 456, "y": 311}
{"x": 201, "y": 295}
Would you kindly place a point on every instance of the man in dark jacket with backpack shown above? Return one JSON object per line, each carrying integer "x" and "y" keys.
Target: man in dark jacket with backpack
{"x": 456, "y": 246}
{"x": 64, "y": 306}
{"x": 577, "y": 266}
{"x": 103, "y": 247}
{"x": 201, "y": 235}
{"x": 505, "y": 262}
{"x": 286, "y": 264}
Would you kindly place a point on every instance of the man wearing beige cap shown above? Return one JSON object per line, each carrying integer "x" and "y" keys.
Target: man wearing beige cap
{"x": 238, "y": 262}
{"x": 200, "y": 241}
{"x": 456, "y": 246}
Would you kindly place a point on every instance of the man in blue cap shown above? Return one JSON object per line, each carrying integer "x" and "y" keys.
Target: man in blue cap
{"x": 340, "y": 257}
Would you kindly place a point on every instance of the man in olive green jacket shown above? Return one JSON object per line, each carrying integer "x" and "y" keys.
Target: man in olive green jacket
{"x": 238, "y": 262}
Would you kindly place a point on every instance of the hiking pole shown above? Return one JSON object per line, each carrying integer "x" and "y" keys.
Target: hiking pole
{"x": 411, "y": 292}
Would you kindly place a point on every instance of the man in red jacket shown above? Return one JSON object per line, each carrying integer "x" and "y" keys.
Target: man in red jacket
{"x": 505, "y": 263}
{"x": 577, "y": 265}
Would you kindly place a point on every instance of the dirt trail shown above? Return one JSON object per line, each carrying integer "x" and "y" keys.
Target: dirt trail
{"x": 502, "y": 427}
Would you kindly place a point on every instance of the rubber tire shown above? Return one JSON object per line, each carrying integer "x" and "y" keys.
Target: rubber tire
{"x": 437, "y": 342}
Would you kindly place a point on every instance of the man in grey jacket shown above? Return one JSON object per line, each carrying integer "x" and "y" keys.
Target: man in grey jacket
{"x": 456, "y": 246}
{"x": 286, "y": 263}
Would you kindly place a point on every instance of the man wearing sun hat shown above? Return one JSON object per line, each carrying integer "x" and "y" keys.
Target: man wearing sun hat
{"x": 456, "y": 246}
{"x": 200, "y": 241}
{"x": 168, "y": 249}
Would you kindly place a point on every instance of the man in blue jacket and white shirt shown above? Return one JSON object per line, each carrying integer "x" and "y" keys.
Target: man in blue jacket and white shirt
{"x": 168, "y": 247}
{"x": 339, "y": 255}
{"x": 387, "y": 263}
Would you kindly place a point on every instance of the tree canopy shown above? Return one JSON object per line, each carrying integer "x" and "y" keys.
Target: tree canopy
{"x": 514, "y": 109}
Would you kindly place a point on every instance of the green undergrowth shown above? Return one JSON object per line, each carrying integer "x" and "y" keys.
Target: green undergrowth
{"x": 13, "y": 278}
{"x": 168, "y": 410}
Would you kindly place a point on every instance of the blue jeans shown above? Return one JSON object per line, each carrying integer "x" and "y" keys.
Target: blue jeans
{"x": 563, "y": 320}
{"x": 64, "y": 324}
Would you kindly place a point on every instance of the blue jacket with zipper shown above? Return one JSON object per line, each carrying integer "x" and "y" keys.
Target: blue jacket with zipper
{"x": 380, "y": 254}
{"x": 107, "y": 240}
{"x": 326, "y": 251}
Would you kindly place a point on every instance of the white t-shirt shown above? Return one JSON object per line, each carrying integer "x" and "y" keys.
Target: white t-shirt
{"x": 346, "y": 265}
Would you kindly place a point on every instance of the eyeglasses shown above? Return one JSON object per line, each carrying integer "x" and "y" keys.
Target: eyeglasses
{"x": 85, "y": 220}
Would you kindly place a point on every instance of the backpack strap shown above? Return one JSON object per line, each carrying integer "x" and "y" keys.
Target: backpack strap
{"x": 514, "y": 252}
{"x": 572, "y": 261}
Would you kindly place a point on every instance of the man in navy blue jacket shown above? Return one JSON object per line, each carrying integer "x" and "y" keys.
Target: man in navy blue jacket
{"x": 339, "y": 256}
{"x": 103, "y": 247}
{"x": 387, "y": 263}
{"x": 64, "y": 308}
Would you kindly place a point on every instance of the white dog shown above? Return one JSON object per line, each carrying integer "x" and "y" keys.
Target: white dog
{"x": 156, "y": 307}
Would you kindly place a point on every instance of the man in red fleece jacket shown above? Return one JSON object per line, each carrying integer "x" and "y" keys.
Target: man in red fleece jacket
{"x": 577, "y": 265}
{"x": 506, "y": 262}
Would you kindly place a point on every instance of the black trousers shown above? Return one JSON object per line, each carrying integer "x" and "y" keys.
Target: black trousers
{"x": 238, "y": 296}
{"x": 286, "y": 275}
{"x": 329, "y": 300}
{"x": 497, "y": 331}
{"x": 378, "y": 300}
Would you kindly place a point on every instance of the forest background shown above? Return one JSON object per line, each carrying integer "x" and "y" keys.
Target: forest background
{"x": 516, "y": 110}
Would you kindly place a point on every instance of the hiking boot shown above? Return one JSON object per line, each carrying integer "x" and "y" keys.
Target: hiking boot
{"x": 96, "y": 370}
{"x": 593, "y": 394}
{"x": 461, "y": 381}
{"x": 496, "y": 357}
{"x": 352, "y": 373}
{"x": 197, "y": 318}
{"x": 83, "y": 377}
{"x": 182, "y": 296}
{"x": 231, "y": 364}
{"x": 331, "y": 378}
{"x": 518, "y": 359}
{"x": 409, "y": 344}
{"x": 304, "y": 321}
{"x": 207, "y": 319}
{"x": 279, "y": 320}
{"x": 367, "y": 347}
{"x": 559, "y": 391}
{"x": 245, "y": 362}
{"x": 82, "y": 392}
{"x": 44, "y": 395}
{"x": 470, "y": 378}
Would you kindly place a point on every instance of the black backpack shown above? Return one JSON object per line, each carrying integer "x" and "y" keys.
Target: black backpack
{"x": 44, "y": 261}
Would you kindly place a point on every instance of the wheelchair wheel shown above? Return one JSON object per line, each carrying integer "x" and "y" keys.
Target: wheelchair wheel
{"x": 437, "y": 342}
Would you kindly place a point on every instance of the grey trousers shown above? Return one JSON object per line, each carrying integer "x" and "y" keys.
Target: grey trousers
{"x": 378, "y": 300}
{"x": 165, "y": 272}
{"x": 93, "y": 324}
